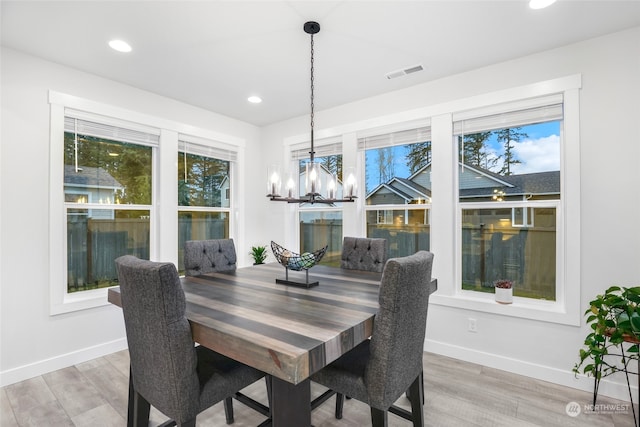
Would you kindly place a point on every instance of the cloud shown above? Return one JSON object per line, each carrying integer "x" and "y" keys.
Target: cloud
{"x": 537, "y": 155}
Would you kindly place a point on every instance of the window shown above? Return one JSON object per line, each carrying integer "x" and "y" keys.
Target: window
{"x": 321, "y": 224}
{"x": 108, "y": 181}
{"x": 398, "y": 178}
{"x": 204, "y": 189}
{"x": 113, "y": 191}
{"x": 509, "y": 195}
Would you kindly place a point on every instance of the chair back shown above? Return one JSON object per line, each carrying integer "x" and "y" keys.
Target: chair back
{"x": 398, "y": 335}
{"x": 360, "y": 253}
{"x": 209, "y": 256}
{"x": 161, "y": 348}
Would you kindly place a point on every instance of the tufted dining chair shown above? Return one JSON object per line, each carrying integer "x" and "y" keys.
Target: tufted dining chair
{"x": 361, "y": 253}
{"x": 208, "y": 256}
{"x": 167, "y": 369}
{"x": 378, "y": 371}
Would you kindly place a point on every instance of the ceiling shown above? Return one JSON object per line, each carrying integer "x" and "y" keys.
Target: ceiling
{"x": 214, "y": 54}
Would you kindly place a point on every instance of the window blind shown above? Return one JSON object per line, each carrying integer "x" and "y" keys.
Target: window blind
{"x": 397, "y": 134}
{"x": 509, "y": 115}
{"x": 324, "y": 147}
{"x": 207, "y": 148}
{"x": 109, "y": 128}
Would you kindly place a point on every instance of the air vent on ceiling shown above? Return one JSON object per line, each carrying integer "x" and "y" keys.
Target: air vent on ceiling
{"x": 404, "y": 72}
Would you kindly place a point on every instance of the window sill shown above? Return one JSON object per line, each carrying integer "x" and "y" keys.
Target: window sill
{"x": 526, "y": 308}
{"x": 80, "y": 301}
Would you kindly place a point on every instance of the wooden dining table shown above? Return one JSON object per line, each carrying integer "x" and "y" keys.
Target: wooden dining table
{"x": 285, "y": 331}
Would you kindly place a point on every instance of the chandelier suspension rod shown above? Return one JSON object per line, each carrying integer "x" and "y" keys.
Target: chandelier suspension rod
{"x": 312, "y": 28}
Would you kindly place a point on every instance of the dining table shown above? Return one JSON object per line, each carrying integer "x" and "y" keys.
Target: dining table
{"x": 288, "y": 332}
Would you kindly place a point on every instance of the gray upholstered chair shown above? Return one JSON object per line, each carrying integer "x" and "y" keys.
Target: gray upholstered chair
{"x": 378, "y": 371}
{"x": 360, "y": 253}
{"x": 167, "y": 369}
{"x": 208, "y": 256}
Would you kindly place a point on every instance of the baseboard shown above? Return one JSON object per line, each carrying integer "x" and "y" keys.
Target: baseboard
{"x": 21, "y": 373}
{"x": 614, "y": 389}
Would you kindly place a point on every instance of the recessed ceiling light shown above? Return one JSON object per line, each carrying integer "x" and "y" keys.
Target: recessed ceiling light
{"x": 254, "y": 99}
{"x": 120, "y": 45}
{"x": 540, "y": 4}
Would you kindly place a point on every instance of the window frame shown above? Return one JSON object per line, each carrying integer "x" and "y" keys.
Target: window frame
{"x": 213, "y": 150}
{"x": 444, "y": 217}
{"x": 399, "y": 134}
{"x": 164, "y": 203}
{"x": 566, "y": 308}
{"x": 527, "y": 217}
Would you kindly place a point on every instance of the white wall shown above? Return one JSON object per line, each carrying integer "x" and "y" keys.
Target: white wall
{"x": 32, "y": 341}
{"x": 610, "y": 202}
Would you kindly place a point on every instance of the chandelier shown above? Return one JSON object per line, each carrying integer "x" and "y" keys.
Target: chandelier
{"x": 315, "y": 173}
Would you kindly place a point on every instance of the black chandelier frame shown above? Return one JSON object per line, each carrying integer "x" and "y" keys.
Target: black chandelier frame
{"x": 311, "y": 28}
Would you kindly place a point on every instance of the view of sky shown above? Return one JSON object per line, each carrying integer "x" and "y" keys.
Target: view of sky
{"x": 538, "y": 152}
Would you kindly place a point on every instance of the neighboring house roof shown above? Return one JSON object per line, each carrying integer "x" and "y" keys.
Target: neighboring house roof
{"x": 414, "y": 186}
{"x": 89, "y": 177}
{"x": 541, "y": 183}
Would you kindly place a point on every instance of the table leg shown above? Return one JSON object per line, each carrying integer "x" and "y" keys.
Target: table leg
{"x": 290, "y": 404}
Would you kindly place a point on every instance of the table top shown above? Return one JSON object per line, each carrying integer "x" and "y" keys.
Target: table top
{"x": 286, "y": 331}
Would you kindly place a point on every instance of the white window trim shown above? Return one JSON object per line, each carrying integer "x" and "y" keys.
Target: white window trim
{"x": 566, "y": 308}
{"x": 60, "y": 301}
{"x": 445, "y": 217}
{"x": 527, "y": 219}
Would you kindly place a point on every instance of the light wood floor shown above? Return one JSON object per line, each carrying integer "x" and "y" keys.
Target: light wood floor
{"x": 457, "y": 394}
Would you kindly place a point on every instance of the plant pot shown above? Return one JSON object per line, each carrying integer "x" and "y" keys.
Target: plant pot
{"x": 504, "y": 295}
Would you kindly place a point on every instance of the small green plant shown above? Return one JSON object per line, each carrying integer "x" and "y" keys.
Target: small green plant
{"x": 259, "y": 254}
{"x": 614, "y": 318}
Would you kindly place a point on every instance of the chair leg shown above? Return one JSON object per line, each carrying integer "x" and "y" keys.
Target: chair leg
{"x": 228, "y": 409}
{"x": 269, "y": 382}
{"x": 339, "y": 405}
{"x": 141, "y": 409}
{"x": 138, "y": 409}
{"x": 416, "y": 391}
{"x": 132, "y": 393}
{"x": 378, "y": 418}
{"x": 408, "y": 393}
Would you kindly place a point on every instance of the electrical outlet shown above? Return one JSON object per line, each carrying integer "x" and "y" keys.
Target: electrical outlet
{"x": 473, "y": 325}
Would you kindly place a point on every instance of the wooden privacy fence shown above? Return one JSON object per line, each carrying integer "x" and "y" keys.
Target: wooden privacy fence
{"x": 315, "y": 235}
{"x": 402, "y": 240}
{"x": 525, "y": 256}
{"x": 94, "y": 244}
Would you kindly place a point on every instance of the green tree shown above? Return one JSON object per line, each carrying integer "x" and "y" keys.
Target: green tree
{"x": 204, "y": 178}
{"x": 418, "y": 155}
{"x": 508, "y": 136}
{"x": 475, "y": 153}
{"x": 129, "y": 164}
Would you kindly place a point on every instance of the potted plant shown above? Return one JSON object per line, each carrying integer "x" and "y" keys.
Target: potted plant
{"x": 259, "y": 254}
{"x": 614, "y": 318}
{"x": 503, "y": 291}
